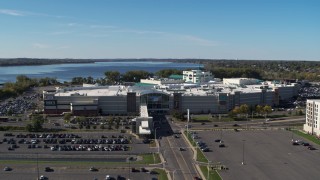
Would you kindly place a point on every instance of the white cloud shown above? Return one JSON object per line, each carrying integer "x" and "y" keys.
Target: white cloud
{"x": 40, "y": 45}
{"x": 199, "y": 41}
{"x": 63, "y": 47}
{"x": 102, "y": 27}
{"x": 11, "y": 12}
{"x": 137, "y": 31}
{"x": 73, "y": 24}
{"x": 59, "y": 33}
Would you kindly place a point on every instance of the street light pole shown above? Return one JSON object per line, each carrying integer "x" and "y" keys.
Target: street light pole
{"x": 155, "y": 138}
{"x": 174, "y": 172}
{"x": 38, "y": 167}
{"x": 188, "y": 118}
{"x": 208, "y": 170}
{"x": 243, "y": 142}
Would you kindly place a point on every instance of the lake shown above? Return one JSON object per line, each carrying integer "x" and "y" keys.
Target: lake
{"x": 65, "y": 72}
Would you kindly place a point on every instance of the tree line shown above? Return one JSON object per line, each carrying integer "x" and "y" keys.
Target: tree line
{"x": 23, "y": 83}
{"x": 264, "y": 69}
{"x": 115, "y": 77}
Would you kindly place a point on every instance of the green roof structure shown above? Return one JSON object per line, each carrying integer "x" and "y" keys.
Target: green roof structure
{"x": 176, "y": 76}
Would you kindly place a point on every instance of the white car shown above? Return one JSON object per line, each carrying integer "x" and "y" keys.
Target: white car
{"x": 42, "y": 177}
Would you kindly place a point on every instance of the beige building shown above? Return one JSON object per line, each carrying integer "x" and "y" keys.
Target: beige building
{"x": 312, "y": 117}
{"x": 197, "y": 76}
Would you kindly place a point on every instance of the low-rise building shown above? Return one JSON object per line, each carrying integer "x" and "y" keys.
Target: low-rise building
{"x": 197, "y": 76}
{"x": 312, "y": 117}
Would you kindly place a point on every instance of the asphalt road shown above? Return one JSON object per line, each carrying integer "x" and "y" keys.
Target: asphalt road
{"x": 180, "y": 164}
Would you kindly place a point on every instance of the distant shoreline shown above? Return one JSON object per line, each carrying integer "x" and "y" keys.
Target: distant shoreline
{"x": 38, "y": 61}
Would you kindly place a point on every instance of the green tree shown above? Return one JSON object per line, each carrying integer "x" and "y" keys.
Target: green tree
{"x": 267, "y": 109}
{"x": 112, "y": 76}
{"x": 300, "y": 113}
{"x": 135, "y": 76}
{"x": 67, "y": 117}
{"x": 259, "y": 109}
{"x": 177, "y": 114}
{"x": 165, "y": 73}
{"x": 244, "y": 109}
{"x": 110, "y": 122}
{"x": 37, "y": 125}
{"x": 29, "y": 128}
{"x": 117, "y": 123}
{"x": 236, "y": 111}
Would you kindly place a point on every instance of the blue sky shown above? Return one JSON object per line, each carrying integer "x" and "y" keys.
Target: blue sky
{"x": 228, "y": 29}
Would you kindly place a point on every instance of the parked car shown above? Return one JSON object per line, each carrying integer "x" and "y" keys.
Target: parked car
{"x": 311, "y": 148}
{"x": 135, "y": 170}
{"x": 93, "y": 169}
{"x": 295, "y": 143}
{"x": 221, "y": 145}
{"x": 42, "y": 177}
{"x": 7, "y": 168}
{"x": 48, "y": 169}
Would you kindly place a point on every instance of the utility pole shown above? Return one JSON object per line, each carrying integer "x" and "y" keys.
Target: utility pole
{"x": 38, "y": 176}
{"x": 188, "y": 118}
{"x": 243, "y": 141}
{"x": 208, "y": 170}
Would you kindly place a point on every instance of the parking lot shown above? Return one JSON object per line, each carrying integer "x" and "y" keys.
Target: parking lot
{"x": 28, "y": 172}
{"x": 89, "y": 143}
{"x": 53, "y": 149}
{"x": 266, "y": 154}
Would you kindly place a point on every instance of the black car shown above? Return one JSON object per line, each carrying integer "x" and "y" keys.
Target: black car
{"x": 295, "y": 143}
{"x": 217, "y": 140}
{"x": 7, "y": 169}
{"x": 305, "y": 144}
{"x": 48, "y": 169}
{"x": 119, "y": 177}
{"x": 146, "y": 141}
{"x": 93, "y": 169}
{"x": 205, "y": 149}
{"x": 135, "y": 170}
{"x": 221, "y": 145}
{"x": 311, "y": 148}
{"x": 144, "y": 170}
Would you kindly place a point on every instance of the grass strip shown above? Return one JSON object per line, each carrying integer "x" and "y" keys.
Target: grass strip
{"x": 162, "y": 175}
{"x": 153, "y": 158}
{"x": 190, "y": 138}
{"x": 213, "y": 174}
{"x": 201, "y": 157}
{"x": 306, "y": 136}
{"x": 146, "y": 159}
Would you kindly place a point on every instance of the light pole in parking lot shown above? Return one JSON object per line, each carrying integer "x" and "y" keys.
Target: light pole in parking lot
{"x": 155, "y": 137}
{"x": 37, "y": 167}
{"x": 174, "y": 172}
{"x": 208, "y": 169}
{"x": 243, "y": 142}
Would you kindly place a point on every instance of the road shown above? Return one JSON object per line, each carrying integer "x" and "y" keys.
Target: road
{"x": 251, "y": 123}
{"x": 180, "y": 164}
